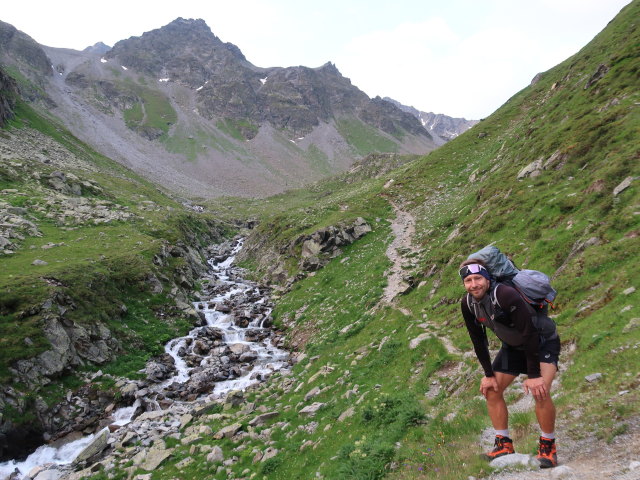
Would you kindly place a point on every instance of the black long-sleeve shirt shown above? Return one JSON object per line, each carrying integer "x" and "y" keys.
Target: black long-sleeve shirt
{"x": 517, "y": 318}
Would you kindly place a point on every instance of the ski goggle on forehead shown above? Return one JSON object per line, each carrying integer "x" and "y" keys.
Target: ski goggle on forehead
{"x": 471, "y": 269}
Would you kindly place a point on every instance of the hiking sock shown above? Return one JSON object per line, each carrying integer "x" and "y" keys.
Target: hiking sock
{"x": 550, "y": 436}
{"x": 505, "y": 433}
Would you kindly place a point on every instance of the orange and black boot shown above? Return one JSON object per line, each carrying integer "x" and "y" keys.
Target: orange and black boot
{"x": 503, "y": 446}
{"x": 547, "y": 453}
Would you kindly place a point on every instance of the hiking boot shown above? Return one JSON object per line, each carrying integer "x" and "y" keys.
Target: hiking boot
{"x": 503, "y": 446}
{"x": 547, "y": 453}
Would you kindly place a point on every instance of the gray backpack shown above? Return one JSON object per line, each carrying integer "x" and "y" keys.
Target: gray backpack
{"x": 534, "y": 286}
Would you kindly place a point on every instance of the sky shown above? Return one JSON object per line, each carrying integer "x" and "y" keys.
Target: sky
{"x": 463, "y": 58}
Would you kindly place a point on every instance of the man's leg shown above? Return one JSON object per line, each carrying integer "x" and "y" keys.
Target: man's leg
{"x": 546, "y": 414}
{"x": 545, "y": 409}
{"x": 499, "y": 415}
{"x": 496, "y": 405}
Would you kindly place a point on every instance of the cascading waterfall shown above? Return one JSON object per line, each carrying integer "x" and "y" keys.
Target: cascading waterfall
{"x": 258, "y": 358}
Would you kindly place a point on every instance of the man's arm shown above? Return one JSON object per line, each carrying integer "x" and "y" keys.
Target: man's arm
{"x": 522, "y": 315}
{"x": 478, "y": 338}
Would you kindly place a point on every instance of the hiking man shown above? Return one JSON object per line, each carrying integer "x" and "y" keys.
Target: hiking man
{"x": 526, "y": 348}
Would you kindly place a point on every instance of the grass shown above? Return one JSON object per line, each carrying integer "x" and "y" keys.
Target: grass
{"x": 363, "y": 138}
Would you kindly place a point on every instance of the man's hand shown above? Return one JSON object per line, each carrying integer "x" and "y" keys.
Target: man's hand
{"x": 537, "y": 388}
{"x": 488, "y": 383}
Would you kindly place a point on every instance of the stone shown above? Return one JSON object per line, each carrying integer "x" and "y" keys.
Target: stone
{"x": 269, "y": 453}
{"x": 39, "y": 262}
{"x": 262, "y": 419}
{"x": 216, "y": 455}
{"x": 349, "y": 412}
{"x": 629, "y": 291}
{"x": 635, "y": 465}
{"x": 97, "y": 445}
{"x": 185, "y": 419}
{"x": 155, "y": 457}
{"x": 228, "y": 431}
{"x": 51, "y": 474}
{"x": 185, "y": 462}
{"x": 418, "y": 340}
{"x": 312, "y": 393}
{"x": 534, "y": 169}
{"x": 311, "y": 410}
{"x": 512, "y": 460}
{"x": 594, "y": 377}
{"x": 562, "y": 471}
{"x": 622, "y": 186}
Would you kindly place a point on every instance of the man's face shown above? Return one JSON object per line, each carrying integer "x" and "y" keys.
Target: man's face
{"x": 476, "y": 285}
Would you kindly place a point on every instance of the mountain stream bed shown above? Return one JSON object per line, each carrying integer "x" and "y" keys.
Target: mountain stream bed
{"x": 231, "y": 350}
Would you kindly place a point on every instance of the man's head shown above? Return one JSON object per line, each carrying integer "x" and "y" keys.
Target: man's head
{"x": 475, "y": 278}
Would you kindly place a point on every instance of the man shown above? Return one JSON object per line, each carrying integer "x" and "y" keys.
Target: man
{"x": 500, "y": 308}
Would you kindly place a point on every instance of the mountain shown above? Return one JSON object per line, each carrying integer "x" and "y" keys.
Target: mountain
{"x": 189, "y": 111}
{"x": 441, "y": 126}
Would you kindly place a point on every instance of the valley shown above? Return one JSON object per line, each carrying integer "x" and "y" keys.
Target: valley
{"x": 353, "y": 225}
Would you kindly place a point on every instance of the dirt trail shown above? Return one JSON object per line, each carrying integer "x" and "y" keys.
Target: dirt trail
{"x": 589, "y": 458}
{"x": 403, "y": 229}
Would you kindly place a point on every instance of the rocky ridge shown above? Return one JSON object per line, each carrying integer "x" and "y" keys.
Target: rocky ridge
{"x": 444, "y": 127}
{"x": 189, "y": 111}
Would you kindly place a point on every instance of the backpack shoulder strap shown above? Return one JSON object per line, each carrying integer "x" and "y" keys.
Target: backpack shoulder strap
{"x": 494, "y": 297}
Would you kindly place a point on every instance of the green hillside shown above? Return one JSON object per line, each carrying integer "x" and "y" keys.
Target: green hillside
{"x": 80, "y": 233}
{"x": 570, "y": 218}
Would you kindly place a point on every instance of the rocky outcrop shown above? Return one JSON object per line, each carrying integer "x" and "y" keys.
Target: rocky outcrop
{"x": 324, "y": 244}
{"x": 20, "y": 47}
{"x": 8, "y": 94}
{"x": 441, "y": 126}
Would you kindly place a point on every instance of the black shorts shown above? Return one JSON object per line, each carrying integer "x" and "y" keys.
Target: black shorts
{"x": 513, "y": 361}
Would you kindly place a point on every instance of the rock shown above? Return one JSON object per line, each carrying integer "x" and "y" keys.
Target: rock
{"x": 629, "y": 291}
{"x": 262, "y": 419}
{"x": 594, "y": 377}
{"x": 228, "y": 431}
{"x": 418, "y": 340}
{"x": 155, "y": 457}
{"x": 312, "y": 393}
{"x": 97, "y": 445}
{"x": 512, "y": 460}
{"x": 234, "y": 398}
{"x": 269, "y": 453}
{"x": 311, "y": 410}
{"x": 185, "y": 419}
{"x": 37, "y": 261}
{"x": 562, "y": 471}
{"x": 599, "y": 73}
{"x": 534, "y": 169}
{"x": 349, "y": 412}
{"x": 51, "y": 474}
{"x": 216, "y": 455}
{"x": 635, "y": 465}
{"x": 626, "y": 183}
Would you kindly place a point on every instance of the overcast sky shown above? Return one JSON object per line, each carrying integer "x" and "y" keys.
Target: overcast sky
{"x": 463, "y": 58}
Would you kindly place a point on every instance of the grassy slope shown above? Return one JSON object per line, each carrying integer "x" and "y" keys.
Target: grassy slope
{"x": 468, "y": 186}
{"x": 101, "y": 267}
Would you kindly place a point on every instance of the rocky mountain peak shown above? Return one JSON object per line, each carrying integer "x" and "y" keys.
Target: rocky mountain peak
{"x": 22, "y": 49}
{"x": 185, "y": 50}
{"x": 98, "y": 48}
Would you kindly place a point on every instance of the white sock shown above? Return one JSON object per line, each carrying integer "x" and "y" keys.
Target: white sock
{"x": 504, "y": 433}
{"x": 550, "y": 436}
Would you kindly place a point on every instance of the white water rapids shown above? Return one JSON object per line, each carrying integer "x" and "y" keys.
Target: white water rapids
{"x": 268, "y": 359}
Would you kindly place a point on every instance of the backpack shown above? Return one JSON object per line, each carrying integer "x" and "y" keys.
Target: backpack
{"x": 533, "y": 286}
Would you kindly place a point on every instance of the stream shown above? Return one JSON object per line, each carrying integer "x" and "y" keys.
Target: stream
{"x": 231, "y": 350}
